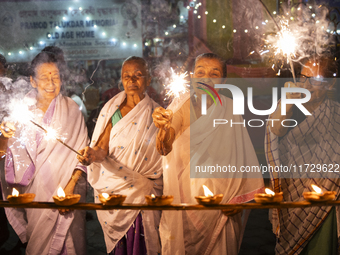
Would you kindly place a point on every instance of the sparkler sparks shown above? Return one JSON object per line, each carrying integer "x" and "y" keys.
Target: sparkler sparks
{"x": 54, "y": 136}
{"x": 19, "y": 111}
{"x": 300, "y": 35}
{"x": 178, "y": 84}
{"x": 51, "y": 134}
{"x": 286, "y": 44}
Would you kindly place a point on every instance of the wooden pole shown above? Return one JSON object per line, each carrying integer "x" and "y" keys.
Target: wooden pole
{"x": 177, "y": 207}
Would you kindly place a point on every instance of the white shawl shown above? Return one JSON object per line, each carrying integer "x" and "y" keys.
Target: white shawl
{"x": 133, "y": 168}
{"x": 198, "y": 232}
{"x": 53, "y": 164}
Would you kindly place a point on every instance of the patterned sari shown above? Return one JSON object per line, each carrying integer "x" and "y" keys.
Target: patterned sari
{"x": 316, "y": 140}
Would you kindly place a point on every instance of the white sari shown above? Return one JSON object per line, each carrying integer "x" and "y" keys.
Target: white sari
{"x": 207, "y": 232}
{"x": 133, "y": 168}
{"x": 39, "y": 166}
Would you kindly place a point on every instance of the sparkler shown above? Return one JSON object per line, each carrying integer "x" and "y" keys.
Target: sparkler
{"x": 21, "y": 114}
{"x": 286, "y": 45}
{"x": 286, "y": 42}
{"x": 51, "y": 134}
{"x": 178, "y": 84}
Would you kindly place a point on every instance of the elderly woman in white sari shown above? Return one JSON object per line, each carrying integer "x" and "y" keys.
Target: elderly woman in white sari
{"x": 125, "y": 161}
{"x": 190, "y": 135}
{"x": 35, "y": 165}
{"x": 314, "y": 142}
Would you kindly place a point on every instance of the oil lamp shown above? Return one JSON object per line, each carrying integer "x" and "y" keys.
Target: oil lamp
{"x": 318, "y": 194}
{"x": 17, "y": 198}
{"x": 158, "y": 200}
{"x": 268, "y": 197}
{"x": 113, "y": 199}
{"x": 209, "y": 198}
{"x": 62, "y": 199}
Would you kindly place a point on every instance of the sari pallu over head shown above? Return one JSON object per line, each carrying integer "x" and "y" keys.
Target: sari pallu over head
{"x": 314, "y": 141}
{"x": 132, "y": 168}
{"x": 39, "y": 166}
{"x": 197, "y": 232}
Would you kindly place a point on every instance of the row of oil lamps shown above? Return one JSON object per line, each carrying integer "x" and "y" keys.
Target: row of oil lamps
{"x": 208, "y": 199}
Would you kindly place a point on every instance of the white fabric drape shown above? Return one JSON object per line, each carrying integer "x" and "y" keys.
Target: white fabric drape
{"x": 45, "y": 230}
{"x": 207, "y": 232}
{"x": 133, "y": 168}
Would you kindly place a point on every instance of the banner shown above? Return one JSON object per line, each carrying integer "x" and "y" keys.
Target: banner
{"x": 85, "y": 30}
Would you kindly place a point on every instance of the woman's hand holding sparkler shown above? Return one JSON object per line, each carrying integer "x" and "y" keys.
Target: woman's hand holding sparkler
{"x": 99, "y": 152}
{"x": 277, "y": 128}
{"x": 7, "y": 130}
{"x": 162, "y": 118}
{"x": 166, "y": 134}
{"x": 289, "y": 107}
{"x": 290, "y": 84}
{"x": 88, "y": 156}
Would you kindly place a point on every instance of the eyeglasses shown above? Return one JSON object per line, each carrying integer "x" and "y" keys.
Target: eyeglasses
{"x": 314, "y": 81}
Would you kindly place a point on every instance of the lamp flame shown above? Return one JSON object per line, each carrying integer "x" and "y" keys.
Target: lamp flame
{"x": 153, "y": 196}
{"x": 207, "y": 192}
{"x": 15, "y": 192}
{"x": 105, "y": 195}
{"x": 61, "y": 192}
{"x": 269, "y": 191}
{"x": 317, "y": 189}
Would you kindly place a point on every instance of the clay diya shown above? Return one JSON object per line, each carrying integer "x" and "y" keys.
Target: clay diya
{"x": 65, "y": 200}
{"x": 318, "y": 195}
{"x": 209, "y": 198}
{"x": 158, "y": 200}
{"x": 17, "y": 198}
{"x": 268, "y": 197}
{"x": 113, "y": 199}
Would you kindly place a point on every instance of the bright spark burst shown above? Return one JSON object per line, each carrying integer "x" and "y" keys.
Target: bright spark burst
{"x": 178, "y": 84}
{"x": 286, "y": 43}
{"x": 51, "y": 134}
{"x": 19, "y": 111}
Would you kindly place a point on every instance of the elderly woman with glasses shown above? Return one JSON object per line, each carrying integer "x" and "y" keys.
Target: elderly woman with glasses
{"x": 187, "y": 140}
{"x": 35, "y": 165}
{"x": 312, "y": 148}
{"x": 124, "y": 160}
